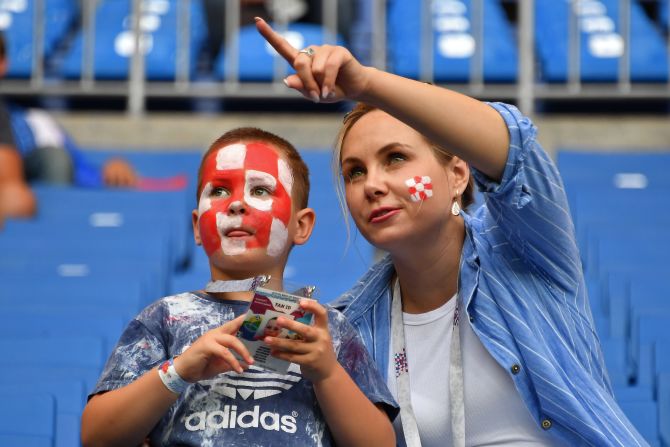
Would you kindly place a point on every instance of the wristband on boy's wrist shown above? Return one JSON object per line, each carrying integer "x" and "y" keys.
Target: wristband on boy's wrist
{"x": 170, "y": 378}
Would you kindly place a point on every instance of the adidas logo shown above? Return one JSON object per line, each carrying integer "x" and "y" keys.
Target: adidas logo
{"x": 255, "y": 383}
{"x": 227, "y": 417}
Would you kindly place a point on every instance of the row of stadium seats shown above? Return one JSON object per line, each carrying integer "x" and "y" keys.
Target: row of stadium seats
{"x": 72, "y": 278}
{"x": 453, "y": 41}
{"x": 620, "y": 204}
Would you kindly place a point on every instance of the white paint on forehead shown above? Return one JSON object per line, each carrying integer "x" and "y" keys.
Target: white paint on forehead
{"x": 230, "y": 246}
{"x": 205, "y": 203}
{"x": 285, "y": 175}
{"x": 278, "y": 238}
{"x": 231, "y": 157}
{"x": 255, "y": 179}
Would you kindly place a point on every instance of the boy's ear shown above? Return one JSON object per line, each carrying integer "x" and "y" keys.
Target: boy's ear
{"x": 196, "y": 227}
{"x": 304, "y": 221}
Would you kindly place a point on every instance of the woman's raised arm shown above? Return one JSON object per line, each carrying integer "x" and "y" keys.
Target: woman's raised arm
{"x": 462, "y": 125}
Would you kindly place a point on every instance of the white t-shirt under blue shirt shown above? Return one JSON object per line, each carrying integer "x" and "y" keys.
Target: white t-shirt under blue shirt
{"x": 494, "y": 411}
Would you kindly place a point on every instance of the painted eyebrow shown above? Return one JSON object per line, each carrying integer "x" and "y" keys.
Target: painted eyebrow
{"x": 381, "y": 151}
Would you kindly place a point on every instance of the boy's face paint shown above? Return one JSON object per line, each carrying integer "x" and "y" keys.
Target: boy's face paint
{"x": 420, "y": 188}
{"x": 245, "y": 201}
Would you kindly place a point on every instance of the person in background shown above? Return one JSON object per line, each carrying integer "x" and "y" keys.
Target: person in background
{"x": 479, "y": 320}
{"x": 35, "y": 148}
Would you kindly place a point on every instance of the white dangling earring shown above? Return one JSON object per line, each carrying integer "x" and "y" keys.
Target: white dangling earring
{"x": 455, "y": 207}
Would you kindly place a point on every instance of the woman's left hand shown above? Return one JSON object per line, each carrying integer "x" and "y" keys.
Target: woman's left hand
{"x": 314, "y": 353}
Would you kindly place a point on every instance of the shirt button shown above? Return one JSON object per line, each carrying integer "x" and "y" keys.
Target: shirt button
{"x": 546, "y": 424}
{"x": 515, "y": 369}
{"x": 472, "y": 318}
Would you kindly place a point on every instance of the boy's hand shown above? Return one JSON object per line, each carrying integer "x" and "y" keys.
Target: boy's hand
{"x": 314, "y": 353}
{"x": 211, "y": 354}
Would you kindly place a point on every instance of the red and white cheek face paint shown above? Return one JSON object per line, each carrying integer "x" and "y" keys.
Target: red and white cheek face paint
{"x": 420, "y": 188}
{"x": 245, "y": 202}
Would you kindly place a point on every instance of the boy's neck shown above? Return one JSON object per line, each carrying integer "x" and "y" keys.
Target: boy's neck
{"x": 275, "y": 283}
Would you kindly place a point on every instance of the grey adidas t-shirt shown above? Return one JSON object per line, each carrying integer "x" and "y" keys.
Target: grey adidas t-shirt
{"x": 256, "y": 408}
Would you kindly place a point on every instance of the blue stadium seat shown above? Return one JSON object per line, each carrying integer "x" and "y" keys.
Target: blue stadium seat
{"x": 601, "y": 42}
{"x": 25, "y": 441}
{"x": 664, "y": 407}
{"x": 171, "y": 209}
{"x": 103, "y": 260}
{"x": 453, "y": 41}
{"x": 614, "y": 351}
{"x": 18, "y": 19}
{"x": 629, "y": 289}
{"x": 618, "y": 245}
{"x": 64, "y": 323}
{"x": 114, "y": 40}
{"x": 79, "y": 351}
{"x": 648, "y": 328}
{"x": 27, "y": 414}
{"x": 70, "y": 397}
{"x": 644, "y": 416}
{"x": 77, "y": 295}
{"x": 636, "y": 393}
{"x": 600, "y": 168}
{"x": 256, "y": 62}
{"x": 17, "y": 374}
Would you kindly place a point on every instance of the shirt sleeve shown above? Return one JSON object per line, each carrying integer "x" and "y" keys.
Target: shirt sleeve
{"x": 529, "y": 204}
{"x": 138, "y": 350}
{"x": 356, "y": 361}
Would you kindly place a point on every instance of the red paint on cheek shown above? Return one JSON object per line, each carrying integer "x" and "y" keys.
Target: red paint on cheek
{"x": 209, "y": 234}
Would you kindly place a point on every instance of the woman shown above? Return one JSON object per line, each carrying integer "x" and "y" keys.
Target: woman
{"x": 480, "y": 321}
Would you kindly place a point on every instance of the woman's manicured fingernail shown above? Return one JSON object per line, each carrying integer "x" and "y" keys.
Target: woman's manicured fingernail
{"x": 314, "y": 95}
{"x": 286, "y": 82}
{"x": 325, "y": 93}
{"x": 258, "y": 19}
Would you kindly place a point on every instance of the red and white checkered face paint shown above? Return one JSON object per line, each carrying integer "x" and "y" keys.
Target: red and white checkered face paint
{"x": 245, "y": 201}
{"x": 420, "y": 188}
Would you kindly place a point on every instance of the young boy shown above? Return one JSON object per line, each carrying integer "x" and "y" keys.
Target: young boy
{"x": 173, "y": 376}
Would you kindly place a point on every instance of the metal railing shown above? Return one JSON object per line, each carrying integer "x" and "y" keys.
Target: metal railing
{"x": 525, "y": 91}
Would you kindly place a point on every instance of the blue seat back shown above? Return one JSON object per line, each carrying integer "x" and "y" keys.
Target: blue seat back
{"x": 28, "y": 413}
{"x": 453, "y": 41}
{"x": 601, "y": 42}
{"x": 115, "y": 40}
{"x": 18, "y": 18}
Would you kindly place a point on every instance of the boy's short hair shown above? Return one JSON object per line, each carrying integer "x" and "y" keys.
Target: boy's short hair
{"x": 247, "y": 134}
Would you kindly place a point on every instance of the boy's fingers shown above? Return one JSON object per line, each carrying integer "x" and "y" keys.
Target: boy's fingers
{"x": 286, "y": 345}
{"x": 223, "y": 353}
{"x": 320, "y": 312}
{"x": 285, "y": 49}
{"x": 233, "y": 343}
{"x": 233, "y": 326}
{"x": 293, "y": 325}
